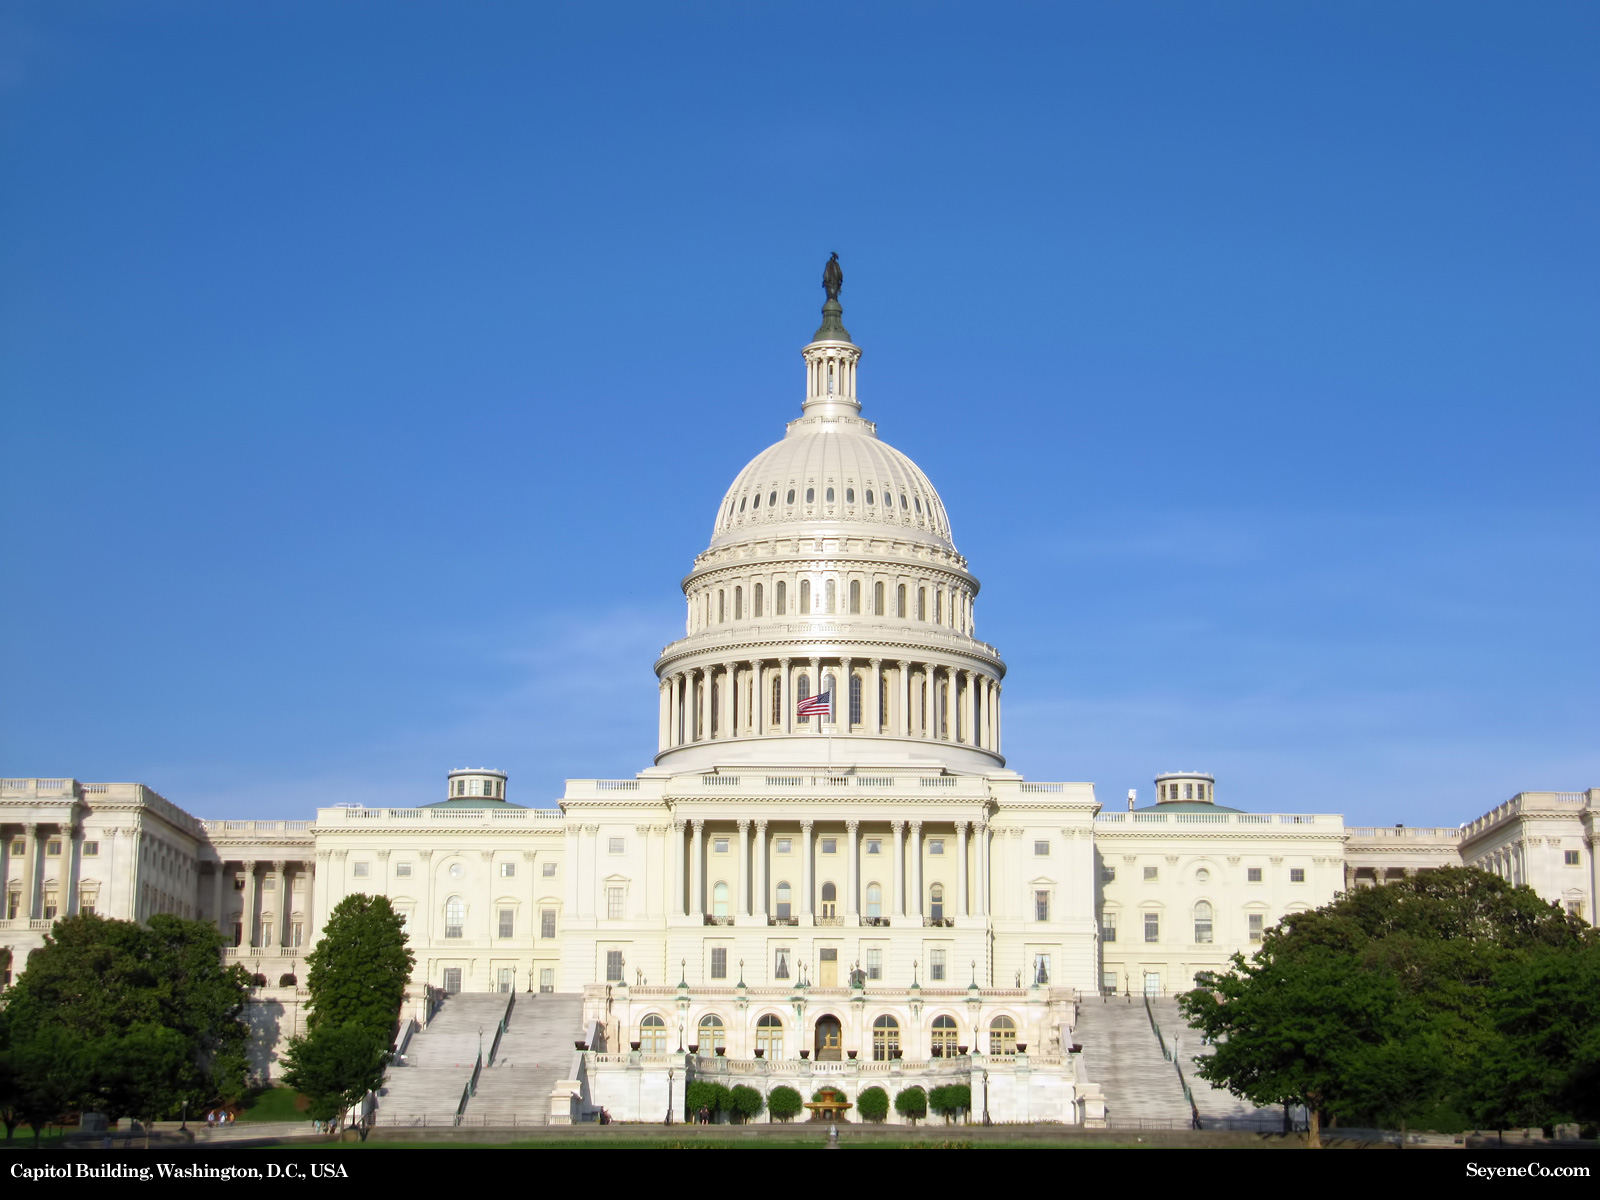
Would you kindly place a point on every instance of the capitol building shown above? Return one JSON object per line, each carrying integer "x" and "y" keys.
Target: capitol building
{"x": 829, "y": 872}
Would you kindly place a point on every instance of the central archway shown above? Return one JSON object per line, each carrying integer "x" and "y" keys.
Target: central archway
{"x": 829, "y": 1040}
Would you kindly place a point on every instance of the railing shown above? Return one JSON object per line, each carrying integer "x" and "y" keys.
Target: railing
{"x": 403, "y": 1040}
{"x": 938, "y": 781}
{"x": 830, "y": 921}
{"x": 500, "y": 1029}
{"x": 616, "y": 785}
{"x": 1199, "y": 818}
{"x": 939, "y": 922}
{"x": 786, "y": 780}
{"x": 783, "y": 920}
{"x": 875, "y": 922}
{"x": 1172, "y": 1057}
{"x": 471, "y": 1090}
{"x": 710, "y": 920}
{"x": 720, "y": 780}
{"x": 1044, "y": 787}
{"x": 441, "y": 816}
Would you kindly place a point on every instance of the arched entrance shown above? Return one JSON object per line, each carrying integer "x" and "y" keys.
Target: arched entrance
{"x": 829, "y": 1040}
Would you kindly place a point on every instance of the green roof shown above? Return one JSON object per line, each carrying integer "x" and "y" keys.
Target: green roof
{"x": 1188, "y": 806}
{"x": 473, "y": 802}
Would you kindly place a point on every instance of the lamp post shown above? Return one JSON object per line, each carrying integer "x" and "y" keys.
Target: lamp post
{"x": 986, "y": 1119}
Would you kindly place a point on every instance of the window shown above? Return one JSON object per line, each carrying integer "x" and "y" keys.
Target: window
{"x": 936, "y": 902}
{"x": 755, "y": 608}
{"x": 614, "y": 902}
{"x": 935, "y": 845}
{"x": 811, "y": 495}
{"x": 86, "y": 903}
{"x": 1297, "y": 874}
{"x": 874, "y": 901}
{"x": 738, "y": 604}
{"x": 885, "y": 1039}
{"x": 455, "y": 916}
{"x": 713, "y": 1035}
{"x": 805, "y": 596}
{"x": 789, "y": 499}
{"x": 1572, "y": 856}
{"x": 719, "y": 900}
{"x": 849, "y": 495}
{"x": 50, "y": 906}
{"x": 549, "y": 870}
{"x": 1108, "y": 874}
{"x": 936, "y": 966}
{"x": 1002, "y": 1036}
{"x": 855, "y": 699}
{"x": 777, "y": 703}
{"x": 297, "y": 932}
{"x": 52, "y": 849}
{"x": 1202, "y": 923}
{"x": 1575, "y": 909}
{"x": 508, "y": 870}
{"x": 945, "y": 1035}
{"x": 1108, "y": 926}
{"x": 784, "y": 845}
{"x": 900, "y": 601}
{"x": 874, "y": 846}
{"x": 1108, "y": 981}
{"x": 802, "y": 689}
{"x": 506, "y": 979}
{"x": 18, "y": 849}
{"x": 922, "y": 604}
{"x": 613, "y": 966}
{"x": 547, "y": 922}
{"x": 402, "y": 870}
{"x": 938, "y": 606}
{"x": 1041, "y": 906}
{"x": 830, "y": 845}
{"x": 785, "y": 902}
{"x": 452, "y": 980}
{"x": 92, "y": 849}
{"x": 614, "y": 845}
{"x": 769, "y": 1036}
{"x": 780, "y": 962}
{"x": 1152, "y": 927}
{"x": 361, "y": 872}
{"x": 1256, "y": 922}
{"x": 508, "y": 920}
{"x": 1041, "y": 969}
{"x": 719, "y": 962}
{"x": 1041, "y": 849}
{"x": 855, "y": 596}
{"x": 269, "y": 884}
{"x": 830, "y": 900}
{"x": 828, "y": 593}
{"x": 874, "y": 964}
{"x": 1151, "y": 873}
{"x": 782, "y": 594}
{"x": 719, "y": 845}
{"x": 14, "y": 903}
{"x": 1202, "y": 876}
{"x": 877, "y": 599}
{"x": 457, "y": 870}
{"x": 547, "y": 979}
{"x": 1252, "y": 874}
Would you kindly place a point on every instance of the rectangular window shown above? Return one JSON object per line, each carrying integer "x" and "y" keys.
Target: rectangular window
{"x": 266, "y": 933}
{"x": 613, "y": 966}
{"x": 86, "y": 903}
{"x": 1252, "y": 874}
{"x": 614, "y": 903}
{"x": 719, "y": 845}
{"x": 1151, "y": 874}
{"x": 614, "y": 845}
{"x": 936, "y": 966}
{"x": 1575, "y": 908}
{"x": 269, "y": 884}
{"x": 18, "y": 849}
{"x": 1152, "y": 927}
{"x": 780, "y": 962}
{"x": 1041, "y": 969}
{"x": 549, "y": 870}
{"x": 1041, "y": 906}
{"x": 297, "y": 933}
{"x": 922, "y": 604}
{"x": 855, "y": 595}
{"x": 547, "y": 979}
{"x": 402, "y": 870}
{"x": 1108, "y": 874}
{"x": 781, "y": 600}
{"x": 874, "y": 846}
{"x": 1108, "y": 981}
{"x": 52, "y": 849}
{"x": 1297, "y": 874}
{"x": 50, "y": 906}
{"x": 1108, "y": 927}
{"x": 830, "y": 846}
{"x": 547, "y": 922}
{"x": 1572, "y": 856}
{"x": 14, "y": 904}
{"x": 1256, "y": 922}
{"x": 935, "y": 845}
{"x": 900, "y": 601}
{"x": 783, "y": 845}
{"x": 91, "y": 849}
{"x": 360, "y": 873}
{"x": 719, "y": 962}
{"x": 507, "y": 922}
{"x": 874, "y": 964}
{"x": 1041, "y": 849}
{"x": 508, "y": 870}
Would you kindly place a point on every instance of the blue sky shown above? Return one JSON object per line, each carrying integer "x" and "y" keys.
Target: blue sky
{"x": 372, "y": 372}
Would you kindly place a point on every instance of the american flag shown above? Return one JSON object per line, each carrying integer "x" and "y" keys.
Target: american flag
{"x": 820, "y": 705}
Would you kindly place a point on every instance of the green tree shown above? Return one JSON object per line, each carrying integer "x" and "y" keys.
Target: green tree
{"x": 334, "y": 1066}
{"x": 950, "y": 1101}
{"x": 783, "y": 1102}
{"x": 912, "y": 1103}
{"x": 43, "y": 1077}
{"x": 745, "y": 1102}
{"x": 143, "y": 1072}
{"x": 358, "y": 972}
{"x": 712, "y": 1097}
{"x": 872, "y": 1104}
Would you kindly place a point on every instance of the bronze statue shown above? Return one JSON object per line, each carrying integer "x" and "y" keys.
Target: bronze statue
{"x": 832, "y": 277}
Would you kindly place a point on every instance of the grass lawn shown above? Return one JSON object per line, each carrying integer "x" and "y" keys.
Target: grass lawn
{"x": 275, "y": 1104}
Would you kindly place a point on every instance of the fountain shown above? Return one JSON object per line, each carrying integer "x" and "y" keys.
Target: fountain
{"x": 829, "y": 1106}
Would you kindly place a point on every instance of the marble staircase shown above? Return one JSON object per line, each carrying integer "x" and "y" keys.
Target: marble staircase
{"x": 535, "y": 1051}
{"x": 1122, "y": 1055}
{"x": 438, "y": 1062}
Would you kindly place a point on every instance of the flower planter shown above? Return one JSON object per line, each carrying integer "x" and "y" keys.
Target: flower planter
{"x": 634, "y": 1046}
{"x": 805, "y": 1054}
{"x": 695, "y": 1049}
{"x": 1022, "y": 1047}
{"x": 895, "y": 1053}
{"x": 761, "y": 1053}
{"x": 961, "y": 1049}
{"x": 721, "y": 1050}
{"x": 581, "y": 1045}
{"x": 851, "y": 1053}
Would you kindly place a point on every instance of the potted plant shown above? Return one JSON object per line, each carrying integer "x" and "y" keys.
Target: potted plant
{"x": 805, "y": 1054}
{"x": 695, "y": 1049}
{"x": 850, "y": 1053}
{"x": 760, "y": 1053}
{"x": 634, "y": 1046}
{"x": 721, "y": 1050}
{"x": 1022, "y": 1047}
{"x": 961, "y": 1049}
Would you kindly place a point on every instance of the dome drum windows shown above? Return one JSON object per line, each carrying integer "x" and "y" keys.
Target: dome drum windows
{"x": 828, "y": 496}
{"x": 811, "y": 495}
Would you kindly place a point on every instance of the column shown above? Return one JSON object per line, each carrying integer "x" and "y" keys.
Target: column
{"x": 673, "y": 708}
{"x": 876, "y": 705}
{"x": 725, "y": 719}
{"x": 752, "y": 721}
{"x": 968, "y": 712}
{"x": 997, "y": 731}
{"x": 903, "y": 686}
{"x": 961, "y": 856}
{"x": 788, "y": 697}
{"x": 250, "y": 885}
{"x": 929, "y": 723}
{"x": 898, "y": 904}
{"x": 951, "y": 677}
{"x": 216, "y": 898}
{"x": 744, "y": 868}
{"x": 841, "y": 702}
{"x": 705, "y": 704}
{"x": 662, "y": 719}
{"x": 762, "y": 888}
{"x": 73, "y": 872}
{"x": 30, "y": 873}
{"x": 982, "y": 831}
{"x": 309, "y": 915}
{"x": 697, "y": 871}
{"x": 806, "y": 885}
{"x": 676, "y": 908}
{"x": 914, "y": 876}
{"x": 852, "y": 871}
{"x": 282, "y": 868}
{"x": 816, "y": 686}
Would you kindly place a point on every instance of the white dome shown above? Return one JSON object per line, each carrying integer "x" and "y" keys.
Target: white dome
{"x": 870, "y": 483}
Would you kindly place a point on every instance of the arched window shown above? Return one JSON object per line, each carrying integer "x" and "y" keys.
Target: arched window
{"x": 756, "y": 503}
{"x": 455, "y": 916}
{"x": 1002, "y": 1036}
{"x": 869, "y": 495}
{"x": 855, "y": 699}
{"x": 773, "y": 498}
{"x": 653, "y": 1034}
{"x": 828, "y": 688}
{"x": 945, "y": 1034}
{"x": 769, "y": 1036}
{"x": 719, "y": 900}
{"x": 742, "y": 502}
{"x": 900, "y": 601}
{"x": 722, "y": 606}
{"x": 802, "y": 689}
{"x": 903, "y": 504}
{"x": 874, "y": 900}
{"x": 713, "y": 1036}
{"x": 785, "y": 902}
{"x": 805, "y": 596}
{"x": 790, "y": 498}
{"x": 811, "y": 495}
{"x": 855, "y": 596}
{"x": 885, "y": 1039}
{"x": 830, "y": 900}
{"x": 829, "y": 590}
{"x": 777, "y": 704}
{"x": 782, "y": 599}
{"x": 828, "y": 495}
{"x": 738, "y": 604}
{"x": 877, "y": 599}
{"x": 936, "y": 902}
{"x": 849, "y": 495}
{"x": 756, "y": 607}
{"x": 922, "y": 604}
{"x": 938, "y": 606}
{"x": 1202, "y": 923}
{"x": 943, "y": 700}
{"x": 883, "y": 703}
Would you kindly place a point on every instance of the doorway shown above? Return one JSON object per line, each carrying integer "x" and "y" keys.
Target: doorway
{"x": 829, "y": 1039}
{"x": 1152, "y": 983}
{"x": 506, "y": 979}
{"x": 452, "y": 980}
{"x": 828, "y": 967}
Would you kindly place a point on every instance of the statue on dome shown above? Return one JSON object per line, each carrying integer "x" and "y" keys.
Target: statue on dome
{"x": 833, "y": 277}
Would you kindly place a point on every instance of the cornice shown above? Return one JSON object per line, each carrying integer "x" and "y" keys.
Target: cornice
{"x": 879, "y": 647}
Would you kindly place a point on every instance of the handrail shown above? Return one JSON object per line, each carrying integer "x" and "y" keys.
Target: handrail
{"x": 471, "y": 1090}
{"x": 1172, "y": 1057}
{"x": 499, "y": 1030}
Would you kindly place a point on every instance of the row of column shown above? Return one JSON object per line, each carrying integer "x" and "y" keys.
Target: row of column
{"x": 34, "y": 837}
{"x": 906, "y": 897}
{"x": 250, "y": 918}
{"x": 733, "y": 699}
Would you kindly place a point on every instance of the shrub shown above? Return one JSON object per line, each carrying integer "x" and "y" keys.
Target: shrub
{"x": 911, "y": 1102}
{"x": 712, "y": 1097}
{"x": 873, "y": 1104}
{"x": 951, "y": 1100}
{"x": 784, "y": 1103}
{"x": 287, "y": 980}
{"x": 746, "y": 1102}
{"x": 258, "y": 979}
